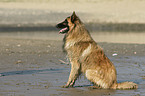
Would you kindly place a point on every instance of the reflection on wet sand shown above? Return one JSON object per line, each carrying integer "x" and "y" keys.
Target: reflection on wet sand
{"x": 113, "y": 37}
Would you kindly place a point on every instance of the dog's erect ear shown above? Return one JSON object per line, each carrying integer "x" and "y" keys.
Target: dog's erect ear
{"x": 73, "y": 17}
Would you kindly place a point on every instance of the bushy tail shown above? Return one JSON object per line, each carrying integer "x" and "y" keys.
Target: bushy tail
{"x": 125, "y": 85}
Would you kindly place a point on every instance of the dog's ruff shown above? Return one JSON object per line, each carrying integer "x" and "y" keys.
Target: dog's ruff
{"x": 87, "y": 51}
{"x": 69, "y": 44}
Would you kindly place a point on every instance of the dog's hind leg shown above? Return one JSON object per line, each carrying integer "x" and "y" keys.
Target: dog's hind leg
{"x": 97, "y": 78}
{"x": 74, "y": 74}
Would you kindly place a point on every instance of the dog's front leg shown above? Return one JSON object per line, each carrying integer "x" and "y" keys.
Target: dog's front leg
{"x": 74, "y": 74}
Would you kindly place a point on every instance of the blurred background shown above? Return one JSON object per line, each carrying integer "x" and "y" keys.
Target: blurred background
{"x": 117, "y": 21}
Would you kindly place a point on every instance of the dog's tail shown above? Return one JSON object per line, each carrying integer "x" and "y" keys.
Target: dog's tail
{"x": 125, "y": 85}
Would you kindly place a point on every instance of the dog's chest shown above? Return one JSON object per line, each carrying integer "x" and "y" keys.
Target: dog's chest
{"x": 69, "y": 44}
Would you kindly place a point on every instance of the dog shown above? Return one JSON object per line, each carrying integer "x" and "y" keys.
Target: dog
{"x": 87, "y": 57}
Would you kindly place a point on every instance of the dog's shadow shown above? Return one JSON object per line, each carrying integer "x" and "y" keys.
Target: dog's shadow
{"x": 137, "y": 81}
{"x": 25, "y": 72}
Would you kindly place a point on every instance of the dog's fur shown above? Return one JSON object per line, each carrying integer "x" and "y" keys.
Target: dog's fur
{"x": 87, "y": 57}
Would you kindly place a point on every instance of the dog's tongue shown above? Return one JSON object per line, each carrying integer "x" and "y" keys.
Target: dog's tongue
{"x": 62, "y": 30}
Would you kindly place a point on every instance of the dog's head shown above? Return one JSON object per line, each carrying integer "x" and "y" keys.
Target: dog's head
{"x": 68, "y": 24}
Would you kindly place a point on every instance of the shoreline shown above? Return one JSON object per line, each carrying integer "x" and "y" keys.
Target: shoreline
{"x": 109, "y": 27}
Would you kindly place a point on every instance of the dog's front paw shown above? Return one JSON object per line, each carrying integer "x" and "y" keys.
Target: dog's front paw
{"x": 65, "y": 86}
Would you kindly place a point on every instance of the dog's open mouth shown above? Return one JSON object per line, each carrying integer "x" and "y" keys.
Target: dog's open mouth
{"x": 64, "y": 30}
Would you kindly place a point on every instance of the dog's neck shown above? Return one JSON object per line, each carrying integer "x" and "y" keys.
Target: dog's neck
{"x": 78, "y": 34}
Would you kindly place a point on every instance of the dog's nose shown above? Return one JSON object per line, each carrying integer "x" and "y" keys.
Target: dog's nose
{"x": 56, "y": 26}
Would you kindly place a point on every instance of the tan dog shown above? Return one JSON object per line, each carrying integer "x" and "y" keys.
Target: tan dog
{"x": 87, "y": 57}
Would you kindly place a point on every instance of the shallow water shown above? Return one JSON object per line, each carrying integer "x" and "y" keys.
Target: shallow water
{"x": 113, "y": 37}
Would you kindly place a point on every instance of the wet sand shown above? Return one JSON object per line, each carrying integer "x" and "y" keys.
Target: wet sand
{"x": 33, "y": 67}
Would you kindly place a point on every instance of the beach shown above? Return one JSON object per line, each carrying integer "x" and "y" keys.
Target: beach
{"x": 34, "y": 67}
{"x": 32, "y": 62}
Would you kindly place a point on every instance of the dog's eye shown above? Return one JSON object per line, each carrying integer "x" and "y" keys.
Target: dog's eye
{"x": 65, "y": 20}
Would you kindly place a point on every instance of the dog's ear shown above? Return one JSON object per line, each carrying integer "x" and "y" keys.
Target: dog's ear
{"x": 74, "y": 17}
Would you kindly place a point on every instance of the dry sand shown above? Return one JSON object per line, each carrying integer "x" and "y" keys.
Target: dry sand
{"x": 129, "y": 11}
